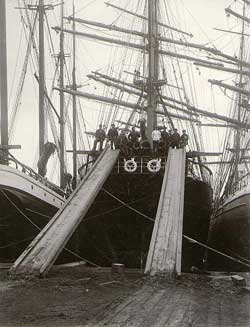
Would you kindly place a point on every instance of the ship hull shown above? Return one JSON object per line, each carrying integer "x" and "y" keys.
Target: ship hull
{"x": 26, "y": 206}
{"x": 230, "y": 234}
{"x": 118, "y": 228}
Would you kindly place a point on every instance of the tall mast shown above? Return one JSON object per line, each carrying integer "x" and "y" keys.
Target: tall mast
{"x": 3, "y": 75}
{"x": 238, "y": 131}
{"x": 41, "y": 10}
{"x": 153, "y": 65}
{"x": 62, "y": 114}
{"x": 74, "y": 103}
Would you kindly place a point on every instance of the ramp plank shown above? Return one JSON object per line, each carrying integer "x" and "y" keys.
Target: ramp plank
{"x": 43, "y": 251}
{"x": 165, "y": 248}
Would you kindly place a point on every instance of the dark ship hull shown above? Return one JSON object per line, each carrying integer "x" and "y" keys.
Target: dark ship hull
{"x": 26, "y": 206}
{"x": 230, "y": 233}
{"x": 118, "y": 228}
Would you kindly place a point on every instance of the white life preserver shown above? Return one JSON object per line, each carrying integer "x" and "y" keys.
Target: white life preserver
{"x": 154, "y": 165}
{"x": 130, "y": 165}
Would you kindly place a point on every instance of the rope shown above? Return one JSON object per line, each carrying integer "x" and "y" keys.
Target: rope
{"x": 128, "y": 206}
{"x": 37, "y": 227}
{"x": 216, "y": 251}
{"x": 185, "y": 236}
{"x": 15, "y": 243}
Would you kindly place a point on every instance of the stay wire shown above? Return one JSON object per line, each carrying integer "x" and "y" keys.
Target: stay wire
{"x": 38, "y": 228}
{"x": 191, "y": 240}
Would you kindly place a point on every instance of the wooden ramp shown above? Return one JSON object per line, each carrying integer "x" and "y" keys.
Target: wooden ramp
{"x": 46, "y": 247}
{"x": 164, "y": 254}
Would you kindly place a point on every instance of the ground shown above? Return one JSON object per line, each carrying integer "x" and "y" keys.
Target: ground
{"x": 81, "y": 296}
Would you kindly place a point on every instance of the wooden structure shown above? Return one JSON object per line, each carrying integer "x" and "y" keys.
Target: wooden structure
{"x": 164, "y": 254}
{"x": 46, "y": 247}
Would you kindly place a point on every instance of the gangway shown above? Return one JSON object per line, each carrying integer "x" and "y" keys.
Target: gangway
{"x": 164, "y": 254}
{"x": 46, "y": 247}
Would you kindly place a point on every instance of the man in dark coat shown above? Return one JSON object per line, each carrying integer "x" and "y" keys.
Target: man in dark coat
{"x": 100, "y": 136}
{"x": 133, "y": 135}
{"x": 175, "y": 139}
{"x": 165, "y": 139}
{"x": 112, "y": 136}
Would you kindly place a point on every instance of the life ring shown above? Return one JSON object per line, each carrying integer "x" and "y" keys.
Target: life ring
{"x": 130, "y": 165}
{"x": 154, "y": 165}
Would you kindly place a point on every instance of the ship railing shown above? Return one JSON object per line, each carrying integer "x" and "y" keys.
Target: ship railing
{"x": 241, "y": 183}
{"x": 140, "y": 165}
{"x": 193, "y": 170}
{"x": 12, "y": 162}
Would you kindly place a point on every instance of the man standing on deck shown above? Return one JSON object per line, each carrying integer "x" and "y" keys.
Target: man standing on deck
{"x": 100, "y": 136}
{"x": 112, "y": 136}
{"x": 183, "y": 139}
{"x": 156, "y": 137}
{"x": 142, "y": 123}
{"x": 165, "y": 139}
{"x": 133, "y": 136}
{"x": 175, "y": 139}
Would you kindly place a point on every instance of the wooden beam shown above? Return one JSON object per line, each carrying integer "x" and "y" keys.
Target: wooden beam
{"x": 10, "y": 147}
{"x": 3, "y": 75}
{"x": 122, "y": 103}
{"x": 145, "y": 18}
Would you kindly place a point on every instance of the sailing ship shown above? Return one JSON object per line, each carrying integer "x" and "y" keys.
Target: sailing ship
{"x": 230, "y": 223}
{"x": 119, "y": 225}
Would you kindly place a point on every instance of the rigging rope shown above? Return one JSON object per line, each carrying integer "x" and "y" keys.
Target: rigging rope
{"x": 39, "y": 229}
{"x": 184, "y": 236}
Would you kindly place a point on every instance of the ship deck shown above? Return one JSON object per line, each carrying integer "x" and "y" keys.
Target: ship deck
{"x": 84, "y": 296}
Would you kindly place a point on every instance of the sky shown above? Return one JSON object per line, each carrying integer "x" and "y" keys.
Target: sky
{"x": 196, "y": 16}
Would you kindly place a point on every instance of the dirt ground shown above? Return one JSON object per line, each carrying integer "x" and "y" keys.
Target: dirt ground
{"x": 82, "y": 296}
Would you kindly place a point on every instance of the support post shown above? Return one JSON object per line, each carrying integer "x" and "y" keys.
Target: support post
{"x": 41, "y": 78}
{"x": 153, "y": 59}
{"x": 3, "y": 75}
{"x": 62, "y": 114}
{"x": 74, "y": 105}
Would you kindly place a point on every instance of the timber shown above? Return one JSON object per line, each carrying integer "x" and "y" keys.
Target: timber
{"x": 138, "y": 93}
{"x": 41, "y": 10}
{"x": 199, "y": 153}
{"x": 146, "y": 18}
{"x": 121, "y": 103}
{"x": 218, "y": 125}
{"x": 141, "y": 47}
{"x": 3, "y": 76}
{"x": 136, "y": 106}
{"x": 193, "y": 110}
{"x": 153, "y": 66}
{"x": 159, "y": 37}
{"x": 40, "y": 255}
{"x": 231, "y": 12}
{"x": 74, "y": 109}
{"x": 62, "y": 111}
{"x": 229, "y": 87}
{"x": 222, "y": 68}
{"x": 165, "y": 249}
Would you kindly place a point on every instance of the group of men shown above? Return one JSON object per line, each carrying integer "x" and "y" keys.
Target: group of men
{"x": 100, "y": 136}
{"x": 135, "y": 141}
{"x": 170, "y": 139}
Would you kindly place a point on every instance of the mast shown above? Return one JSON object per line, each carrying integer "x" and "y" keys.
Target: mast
{"x": 62, "y": 114}
{"x": 153, "y": 63}
{"x": 3, "y": 76}
{"x": 238, "y": 132}
{"x": 41, "y": 10}
{"x": 74, "y": 104}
